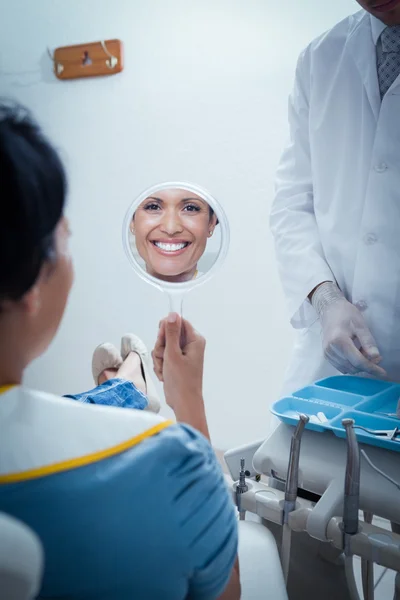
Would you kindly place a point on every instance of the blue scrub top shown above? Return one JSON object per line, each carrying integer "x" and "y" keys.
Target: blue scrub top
{"x": 152, "y": 522}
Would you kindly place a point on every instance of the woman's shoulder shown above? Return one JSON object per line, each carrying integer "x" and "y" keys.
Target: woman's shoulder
{"x": 184, "y": 453}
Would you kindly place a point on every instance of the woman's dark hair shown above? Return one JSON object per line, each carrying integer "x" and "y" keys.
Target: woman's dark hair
{"x": 211, "y": 211}
{"x": 32, "y": 191}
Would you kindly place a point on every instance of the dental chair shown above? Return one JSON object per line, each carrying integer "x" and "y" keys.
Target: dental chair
{"x": 261, "y": 574}
{"x": 21, "y": 560}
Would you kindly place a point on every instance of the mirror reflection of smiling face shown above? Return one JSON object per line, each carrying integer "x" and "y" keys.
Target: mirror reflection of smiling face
{"x": 171, "y": 230}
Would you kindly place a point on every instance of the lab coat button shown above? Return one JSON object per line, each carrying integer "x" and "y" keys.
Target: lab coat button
{"x": 381, "y": 167}
{"x": 361, "y": 305}
{"x": 370, "y": 238}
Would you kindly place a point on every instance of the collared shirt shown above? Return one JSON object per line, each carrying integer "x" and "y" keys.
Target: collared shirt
{"x": 377, "y": 27}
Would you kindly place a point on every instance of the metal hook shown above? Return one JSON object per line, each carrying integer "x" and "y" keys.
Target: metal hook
{"x": 57, "y": 66}
{"x": 113, "y": 61}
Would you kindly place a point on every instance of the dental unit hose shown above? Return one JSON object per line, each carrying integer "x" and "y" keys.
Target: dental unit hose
{"x": 367, "y": 568}
{"x": 351, "y": 502}
{"x": 292, "y": 484}
{"x": 241, "y": 488}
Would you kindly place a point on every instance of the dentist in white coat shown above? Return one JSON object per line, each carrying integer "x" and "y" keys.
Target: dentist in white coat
{"x": 336, "y": 218}
{"x": 336, "y": 215}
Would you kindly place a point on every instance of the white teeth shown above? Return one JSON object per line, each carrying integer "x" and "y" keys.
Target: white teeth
{"x": 170, "y": 247}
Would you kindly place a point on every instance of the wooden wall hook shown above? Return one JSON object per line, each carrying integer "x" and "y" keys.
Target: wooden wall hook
{"x": 88, "y": 60}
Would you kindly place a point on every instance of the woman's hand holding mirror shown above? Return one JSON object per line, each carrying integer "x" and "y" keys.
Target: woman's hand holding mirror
{"x": 179, "y": 365}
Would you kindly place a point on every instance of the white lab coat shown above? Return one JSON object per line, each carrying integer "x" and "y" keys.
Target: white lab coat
{"x": 336, "y": 215}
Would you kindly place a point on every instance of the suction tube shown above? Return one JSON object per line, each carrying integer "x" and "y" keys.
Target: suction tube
{"x": 351, "y": 581}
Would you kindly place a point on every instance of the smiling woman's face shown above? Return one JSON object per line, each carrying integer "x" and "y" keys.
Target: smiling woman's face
{"x": 171, "y": 229}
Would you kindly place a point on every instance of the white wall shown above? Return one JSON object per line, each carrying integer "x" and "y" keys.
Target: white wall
{"x": 203, "y": 98}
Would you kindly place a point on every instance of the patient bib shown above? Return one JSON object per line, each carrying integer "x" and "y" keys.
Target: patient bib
{"x": 42, "y": 434}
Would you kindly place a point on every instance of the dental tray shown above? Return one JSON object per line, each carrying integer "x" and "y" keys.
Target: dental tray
{"x": 341, "y": 397}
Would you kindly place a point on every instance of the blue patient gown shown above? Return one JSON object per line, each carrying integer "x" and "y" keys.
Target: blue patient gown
{"x": 127, "y": 505}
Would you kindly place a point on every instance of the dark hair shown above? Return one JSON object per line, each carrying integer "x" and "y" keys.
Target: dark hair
{"x": 32, "y": 191}
{"x": 212, "y": 211}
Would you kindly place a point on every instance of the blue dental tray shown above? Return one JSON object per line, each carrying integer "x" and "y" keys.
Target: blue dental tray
{"x": 344, "y": 396}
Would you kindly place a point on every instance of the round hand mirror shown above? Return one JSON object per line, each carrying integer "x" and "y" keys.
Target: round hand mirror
{"x": 176, "y": 236}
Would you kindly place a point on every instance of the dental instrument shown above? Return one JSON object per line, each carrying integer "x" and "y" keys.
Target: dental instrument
{"x": 318, "y": 418}
{"x": 247, "y": 452}
{"x": 392, "y": 415}
{"x": 395, "y": 415}
{"x": 323, "y": 460}
{"x": 292, "y": 484}
{"x": 318, "y": 510}
{"x": 320, "y": 499}
{"x": 351, "y": 502}
{"x": 390, "y": 433}
{"x": 241, "y": 488}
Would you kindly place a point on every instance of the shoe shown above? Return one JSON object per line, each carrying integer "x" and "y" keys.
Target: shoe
{"x": 106, "y": 356}
{"x": 131, "y": 343}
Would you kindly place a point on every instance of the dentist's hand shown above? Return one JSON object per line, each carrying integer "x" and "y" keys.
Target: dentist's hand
{"x": 348, "y": 343}
{"x": 178, "y": 359}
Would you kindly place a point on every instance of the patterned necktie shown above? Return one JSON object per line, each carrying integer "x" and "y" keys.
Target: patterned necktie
{"x": 389, "y": 59}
